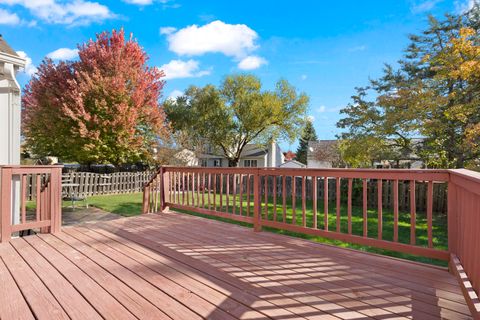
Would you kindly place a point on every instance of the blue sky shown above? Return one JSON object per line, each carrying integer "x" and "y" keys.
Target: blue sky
{"x": 324, "y": 48}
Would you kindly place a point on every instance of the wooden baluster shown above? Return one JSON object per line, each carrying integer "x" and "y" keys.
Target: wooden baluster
{"x": 257, "y": 225}
{"x": 214, "y": 192}
{"x": 314, "y": 201}
{"x": 24, "y": 198}
{"x": 365, "y": 204}
{"x": 266, "y": 197}
{"x": 188, "y": 188}
{"x": 198, "y": 188}
{"x": 338, "y": 199}
{"x": 240, "y": 178}
{"x": 429, "y": 213}
{"x": 248, "y": 195}
{"x": 274, "y": 198}
{"x": 38, "y": 198}
{"x": 413, "y": 212}
{"x": 204, "y": 184}
{"x": 304, "y": 202}
{"x": 155, "y": 191}
{"x": 294, "y": 196}
{"x": 380, "y": 207}
{"x": 234, "y": 186}
{"x": 209, "y": 191}
{"x": 221, "y": 192}
{"x": 191, "y": 186}
{"x": 395, "y": 210}
{"x": 284, "y": 198}
{"x": 325, "y": 203}
{"x": 183, "y": 188}
{"x": 228, "y": 193}
{"x": 349, "y": 205}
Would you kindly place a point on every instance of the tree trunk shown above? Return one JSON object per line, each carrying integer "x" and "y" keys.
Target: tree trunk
{"x": 233, "y": 162}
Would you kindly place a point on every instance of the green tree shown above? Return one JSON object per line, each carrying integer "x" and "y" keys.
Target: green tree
{"x": 433, "y": 94}
{"x": 237, "y": 113}
{"x": 308, "y": 134}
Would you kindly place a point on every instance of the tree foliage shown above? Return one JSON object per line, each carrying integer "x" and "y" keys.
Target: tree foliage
{"x": 102, "y": 108}
{"x": 308, "y": 134}
{"x": 434, "y": 94}
{"x": 236, "y": 113}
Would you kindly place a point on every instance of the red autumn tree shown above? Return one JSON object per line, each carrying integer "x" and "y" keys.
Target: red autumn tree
{"x": 102, "y": 108}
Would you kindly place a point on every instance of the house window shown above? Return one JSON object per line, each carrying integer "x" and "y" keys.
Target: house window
{"x": 204, "y": 163}
{"x": 249, "y": 163}
{"x": 217, "y": 163}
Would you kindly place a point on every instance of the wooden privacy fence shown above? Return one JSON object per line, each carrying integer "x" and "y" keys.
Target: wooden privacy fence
{"x": 90, "y": 184}
{"x": 399, "y": 210}
{"x": 47, "y": 213}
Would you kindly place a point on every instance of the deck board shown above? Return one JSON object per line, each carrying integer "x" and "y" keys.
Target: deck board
{"x": 177, "y": 266}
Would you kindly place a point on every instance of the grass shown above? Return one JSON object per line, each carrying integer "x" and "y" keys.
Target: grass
{"x": 131, "y": 205}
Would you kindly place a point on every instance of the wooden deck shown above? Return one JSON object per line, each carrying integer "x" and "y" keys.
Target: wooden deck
{"x": 176, "y": 266}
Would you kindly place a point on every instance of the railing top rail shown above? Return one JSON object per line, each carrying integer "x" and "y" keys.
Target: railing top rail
{"x": 467, "y": 174}
{"x": 387, "y": 174}
{"x": 31, "y": 166}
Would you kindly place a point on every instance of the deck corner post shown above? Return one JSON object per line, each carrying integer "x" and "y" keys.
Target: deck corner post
{"x": 163, "y": 189}
{"x": 452, "y": 218}
{"x": 146, "y": 199}
{"x": 56, "y": 200}
{"x": 5, "y": 204}
{"x": 257, "y": 225}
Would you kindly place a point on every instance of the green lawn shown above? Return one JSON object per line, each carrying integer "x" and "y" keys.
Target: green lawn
{"x": 131, "y": 204}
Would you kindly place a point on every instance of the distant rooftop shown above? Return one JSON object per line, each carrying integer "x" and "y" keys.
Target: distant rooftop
{"x": 5, "y": 48}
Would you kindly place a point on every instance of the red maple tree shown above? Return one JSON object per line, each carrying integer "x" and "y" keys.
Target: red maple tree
{"x": 103, "y": 108}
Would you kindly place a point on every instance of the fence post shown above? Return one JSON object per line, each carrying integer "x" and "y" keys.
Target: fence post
{"x": 452, "y": 217}
{"x": 6, "y": 204}
{"x": 257, "y": 226}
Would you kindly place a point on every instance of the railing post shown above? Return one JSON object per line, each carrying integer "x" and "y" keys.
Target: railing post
{"x": 163, "y": 190}
{"x": 452, "y": 217}
{"x": 257, "y": 225}
{"x": 146, "y": 199}
{"x": 6, "y": 204}
{"x": 56, "y": 200}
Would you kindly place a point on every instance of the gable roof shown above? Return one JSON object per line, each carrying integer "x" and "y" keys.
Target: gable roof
{"x": 5, "y": 47}
{"x": 294, "y": 162}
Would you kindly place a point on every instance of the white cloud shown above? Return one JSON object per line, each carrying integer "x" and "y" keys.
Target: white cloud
{"x": 71, "y": 12}
{"x": 139, "y": 2}
{"x": 167, "y": 30}
{"x": 464, "y": 5}
{"x": 358, "y": 48}
{"x": 29, "y": 69}
{"x": 8, "y": 18}
{"x": 251, "y": 63}
{"x": 174, "y": 94}
{"x": 183, "y": 69}
{"x": 321, "y": 109}
{"x": 149, "y": 2}
{"x": 303, "y": 77}
{"x": 63, "y": 54}
{"x": 424, "y": 6}
{"x": 233, "y": 40}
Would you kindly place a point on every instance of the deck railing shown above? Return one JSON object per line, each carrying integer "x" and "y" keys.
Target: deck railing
{"x": 335, "y": 204}
{"x": 42, "y": 213}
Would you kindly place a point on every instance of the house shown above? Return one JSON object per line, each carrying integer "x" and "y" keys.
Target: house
{"x": 325, "y": 154}
{"x": 252, "y": 155}
{"x": 10, "y": 63}
{"x": 292, "y": 164}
